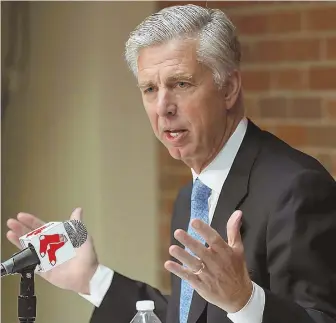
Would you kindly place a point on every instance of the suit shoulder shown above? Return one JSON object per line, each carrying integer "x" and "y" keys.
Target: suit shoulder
{"x": 284, "y": 159}
{"x": 280, "y": 168}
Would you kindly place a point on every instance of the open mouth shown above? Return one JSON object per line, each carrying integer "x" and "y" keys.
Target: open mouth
{"x": 175, "y": 134}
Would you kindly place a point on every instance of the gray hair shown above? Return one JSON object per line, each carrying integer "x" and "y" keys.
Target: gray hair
{"x": 218, "y": 47}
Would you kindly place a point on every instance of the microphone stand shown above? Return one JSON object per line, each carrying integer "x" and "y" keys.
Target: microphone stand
{"x": 27, "y": 299}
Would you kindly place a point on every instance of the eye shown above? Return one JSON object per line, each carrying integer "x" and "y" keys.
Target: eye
{"x": 149, "y": 90}
{"x": 182, "y": 84}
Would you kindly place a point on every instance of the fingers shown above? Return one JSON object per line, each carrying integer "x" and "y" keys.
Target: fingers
{"x": 192, "y": 244}
{"x": 13, "y": 238}
{"x": 181, "y": 272}
{"x": 23, "y": 224}
{"x": 233, "y": 230}
{"x": 17, "y": 227}
{"x": 26, "y": 222}
{"x": 211, "y": 236}
{"x": 30, "y": 221}
{"x": 185, "y": 257}
{"x": 77, "y": 214}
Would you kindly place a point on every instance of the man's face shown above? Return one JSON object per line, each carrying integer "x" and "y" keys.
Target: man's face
{"x": 187, "y": 111}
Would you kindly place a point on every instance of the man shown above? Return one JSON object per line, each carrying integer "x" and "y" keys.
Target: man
{"x": 252, "y": 233}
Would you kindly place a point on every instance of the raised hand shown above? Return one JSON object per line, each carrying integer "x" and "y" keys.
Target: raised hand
{"x": 75, "y": 274}
{"x": 218, "y": 273}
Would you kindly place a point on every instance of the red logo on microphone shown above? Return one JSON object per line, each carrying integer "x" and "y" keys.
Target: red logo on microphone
{"x": 49, "y": 244}
{"x": 39, "y": 230}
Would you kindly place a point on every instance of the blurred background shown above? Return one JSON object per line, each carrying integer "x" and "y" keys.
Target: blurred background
{"x": 74, "y": 132}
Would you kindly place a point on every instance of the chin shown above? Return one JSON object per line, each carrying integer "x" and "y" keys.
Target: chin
{"x": 181, "y": 153}
{"x": 175, "y": 153}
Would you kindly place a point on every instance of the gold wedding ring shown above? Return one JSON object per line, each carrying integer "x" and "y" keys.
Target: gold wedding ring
{"x": 200, "y": 270}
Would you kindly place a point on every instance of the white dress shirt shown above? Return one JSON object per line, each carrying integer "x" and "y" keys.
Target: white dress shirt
{"x": 214, "y": 176}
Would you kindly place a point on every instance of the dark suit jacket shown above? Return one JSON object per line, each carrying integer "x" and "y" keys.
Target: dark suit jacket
{"x": 289, "y": 232}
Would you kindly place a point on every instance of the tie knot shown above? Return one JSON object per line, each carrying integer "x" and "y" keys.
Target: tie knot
{"x": 200, "y": 191}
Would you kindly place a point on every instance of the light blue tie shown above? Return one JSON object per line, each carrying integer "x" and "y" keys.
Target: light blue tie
{"x": 199, "y": 210}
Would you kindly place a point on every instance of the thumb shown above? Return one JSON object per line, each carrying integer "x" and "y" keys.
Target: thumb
{"x": 77, "y": 214}
{"x": 233, "y": 230}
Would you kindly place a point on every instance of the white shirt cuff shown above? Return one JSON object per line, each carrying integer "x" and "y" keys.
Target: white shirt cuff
{"x": 253, "y": 311}
{"x": 99, "y": 284}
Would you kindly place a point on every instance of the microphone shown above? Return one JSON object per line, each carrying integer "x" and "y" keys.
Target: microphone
{"x": 46, "y": 247}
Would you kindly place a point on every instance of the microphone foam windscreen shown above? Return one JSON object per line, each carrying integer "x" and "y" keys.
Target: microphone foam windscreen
{"x": 76, "y": 231}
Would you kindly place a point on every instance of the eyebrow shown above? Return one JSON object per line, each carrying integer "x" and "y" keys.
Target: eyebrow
{"x": 170, "y": 79}
{"x": 180, "y": 76}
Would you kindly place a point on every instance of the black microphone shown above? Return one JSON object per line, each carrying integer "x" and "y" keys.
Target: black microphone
{"x": 47, "y": 247}
{"x": 23, "y": 259}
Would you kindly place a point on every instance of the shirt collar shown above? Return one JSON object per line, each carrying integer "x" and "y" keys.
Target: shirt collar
{"x": 215, "y": 173}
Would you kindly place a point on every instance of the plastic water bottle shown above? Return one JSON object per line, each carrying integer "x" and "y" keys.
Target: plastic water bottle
{"x": 145, "y": 313}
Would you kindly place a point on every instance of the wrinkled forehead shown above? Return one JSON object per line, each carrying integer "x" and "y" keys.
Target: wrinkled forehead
{"x": 176, "y": 57}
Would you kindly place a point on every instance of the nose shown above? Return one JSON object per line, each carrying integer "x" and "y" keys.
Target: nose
{"x": 166, "y": 106}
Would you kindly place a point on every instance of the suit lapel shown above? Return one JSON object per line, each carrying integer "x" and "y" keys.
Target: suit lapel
{"x": 179, "y": 221}
{"x": 234, "y": 190}
{"x": 235, "y": 187}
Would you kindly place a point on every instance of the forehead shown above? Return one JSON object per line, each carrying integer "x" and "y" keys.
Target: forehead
{"x": 164, "y": 60}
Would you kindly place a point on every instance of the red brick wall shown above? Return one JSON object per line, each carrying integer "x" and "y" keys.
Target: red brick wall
{"x": 289, "y": 80}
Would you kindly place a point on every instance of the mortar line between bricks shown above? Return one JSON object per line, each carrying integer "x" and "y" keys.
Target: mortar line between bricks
{"x": 324, "y": 109}
{"x": 298, "y": 65}
{"x": 275, "y": 8}
{"x": 303, "y": 34}
{"x": 308, "y": 93}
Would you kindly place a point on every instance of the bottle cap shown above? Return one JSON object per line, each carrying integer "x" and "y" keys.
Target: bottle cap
{"x": 145, "y": 306}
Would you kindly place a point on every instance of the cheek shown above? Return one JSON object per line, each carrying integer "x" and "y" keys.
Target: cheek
{"x": 205, "y": 119}
{"x": 197, "y": 116}
{"x": 153, "y": 117}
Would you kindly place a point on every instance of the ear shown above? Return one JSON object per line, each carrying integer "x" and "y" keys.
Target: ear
{"x": 232, "y": 88}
